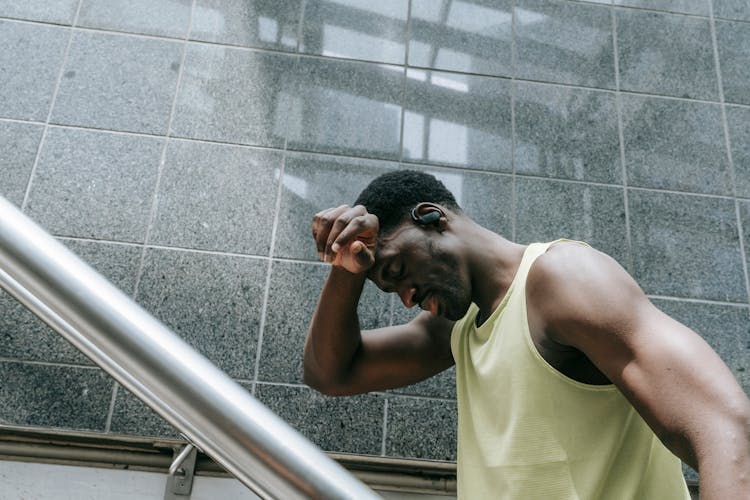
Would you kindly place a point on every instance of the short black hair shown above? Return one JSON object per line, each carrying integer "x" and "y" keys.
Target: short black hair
{"x": 392, "y": 196}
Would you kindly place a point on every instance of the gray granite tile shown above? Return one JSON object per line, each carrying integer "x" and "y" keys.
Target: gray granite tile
{"x": 738, "y": 121}
{"x": 733, "y": 40}
{"x": 312, "y": 183}
{"x": 725, "y": 328}
{"x": 732, "y": 9}
{"x": 350, "y": 425}
{"x": 217, "y": 197}
{"x": 686, "y": 246}
{"x": 667, "y": 54}
{"x": 18, "y": 147}
{"x": 118, "y": 82}
{"x": 294, "y": 291}
{"x": 564, "y": 42}
{"x": 59, "y": 11}
{"x": 356, "y": 29}
{"x": 54, "y": 396}
{"x": 486, "y": 198}
{"x": 676, "y": 145}
{"x": 442, "y": 385}
{"x": 548, "y": 210}
{"x": 346, "y": 107}
{"x": 566, "y": 133}
{"x": 29, "y": 67}
{"x": 212, "y": 301}
{"x": 473, "y": 36}
{"x": 691, "y": 476}
{"x": 271, "y": 24}
{"x": 696, "y": 7}
{"x": 24, "y": 336}
{"x": 150, "y": 17}
{"x": 458, "y": 120}
{"x": 233, "y": 95}
{"x": 95, "y": 184}
{"x": 421, "y": 428}
{"x": 131, "y": 416}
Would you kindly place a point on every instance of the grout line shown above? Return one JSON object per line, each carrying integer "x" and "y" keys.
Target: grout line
{"x": 104, "y": 31}
{"x": 272, "y": 244}
{"x": 411, "y": 396}
{"x": 728, "y": 145}
{"x": 43, "y": 139}
{"x": 196, "y": 250}
{"x": 684, "y": 193}
{"x": 513, "y": 85}
{"x": 385, "y": 427}
{"x": 301, "y": 27}
{"x": 293, "y": 385}
{"x": 94, "y": 240}
{"x": 741, "y": 234}
{"x": 621, "y": 138}
{"x": 403, "y": 84}
{"x": 267, "y": 287}
{"x": 383, "y": 394}
{"x": 697, "y": 301}
{"x": 671, "y": 12}
{"x": 208, "y": 252}
{"x": 24, "y": 122}
{"x": 162, "y": 161}
{"x": 111, "y": 411}
{"x": 162, "y": 136}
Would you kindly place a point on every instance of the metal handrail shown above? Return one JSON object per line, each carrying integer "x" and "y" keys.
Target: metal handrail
{"x": 209, "y": 408}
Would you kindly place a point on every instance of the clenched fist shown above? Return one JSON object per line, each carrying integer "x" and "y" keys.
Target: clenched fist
{"x": 346, "y": 236}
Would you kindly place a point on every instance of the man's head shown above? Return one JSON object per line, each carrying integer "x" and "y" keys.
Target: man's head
{"x": 392, "y": 196}
{"x": 420, "y": 253}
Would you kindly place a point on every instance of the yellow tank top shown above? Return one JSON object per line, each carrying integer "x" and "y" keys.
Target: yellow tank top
{"x": 526, "y": 431}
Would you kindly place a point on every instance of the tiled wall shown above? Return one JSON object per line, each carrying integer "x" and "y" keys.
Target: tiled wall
{"x": 182, "y": 146}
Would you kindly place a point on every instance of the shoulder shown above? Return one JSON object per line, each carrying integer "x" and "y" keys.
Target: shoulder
{"x": 566, "y": 263}
{"x": 573, "y": 286}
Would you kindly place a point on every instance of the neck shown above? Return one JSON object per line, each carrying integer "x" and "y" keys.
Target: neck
{"x": 494, "y": 261}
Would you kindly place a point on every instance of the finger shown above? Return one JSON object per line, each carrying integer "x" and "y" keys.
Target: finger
{"x": 363, "y": 255}
{"x": 356, "y": 227}
{"x": 322, "y": 223}
{"x": 341, "y": 223}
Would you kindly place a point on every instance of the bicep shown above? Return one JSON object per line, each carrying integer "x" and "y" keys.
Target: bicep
{"x": 671, "y": 376}
{"x": 400, "y": 355}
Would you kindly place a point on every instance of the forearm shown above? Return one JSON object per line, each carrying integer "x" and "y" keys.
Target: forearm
{"x": 334, "y": 335}
{"x": 725, "y": 468}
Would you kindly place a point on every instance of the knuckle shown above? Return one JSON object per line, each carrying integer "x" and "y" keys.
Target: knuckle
{"x": 341, "y": 222}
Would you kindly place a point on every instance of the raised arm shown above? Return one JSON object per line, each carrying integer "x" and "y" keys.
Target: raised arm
{"x": 581, "y": 298}
{"x": 339, "y": 358}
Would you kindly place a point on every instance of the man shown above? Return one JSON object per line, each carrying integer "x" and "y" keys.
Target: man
{"x": 571, "y": 384}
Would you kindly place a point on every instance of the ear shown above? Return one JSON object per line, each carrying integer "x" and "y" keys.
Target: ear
{"x": 428, "y": 214}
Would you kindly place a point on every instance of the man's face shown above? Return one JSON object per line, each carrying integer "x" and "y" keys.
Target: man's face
{"x": 422, "y": 267}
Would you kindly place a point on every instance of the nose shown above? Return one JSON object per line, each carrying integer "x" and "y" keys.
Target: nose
{"x": 406, "y": 294}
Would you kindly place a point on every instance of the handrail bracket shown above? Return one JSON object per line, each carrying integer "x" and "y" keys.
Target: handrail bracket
{"x": 181, "y": 473}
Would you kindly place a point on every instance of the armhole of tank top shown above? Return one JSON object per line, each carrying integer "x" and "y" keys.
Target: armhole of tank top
{"x": 530, "y": 342}
{"x": 458, "y": 327}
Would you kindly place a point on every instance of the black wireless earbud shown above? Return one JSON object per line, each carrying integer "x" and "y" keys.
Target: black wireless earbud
{"x": 427, "y": 219}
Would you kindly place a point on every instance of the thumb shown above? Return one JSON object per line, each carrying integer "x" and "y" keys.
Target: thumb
{"x": 362, "y": 254}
